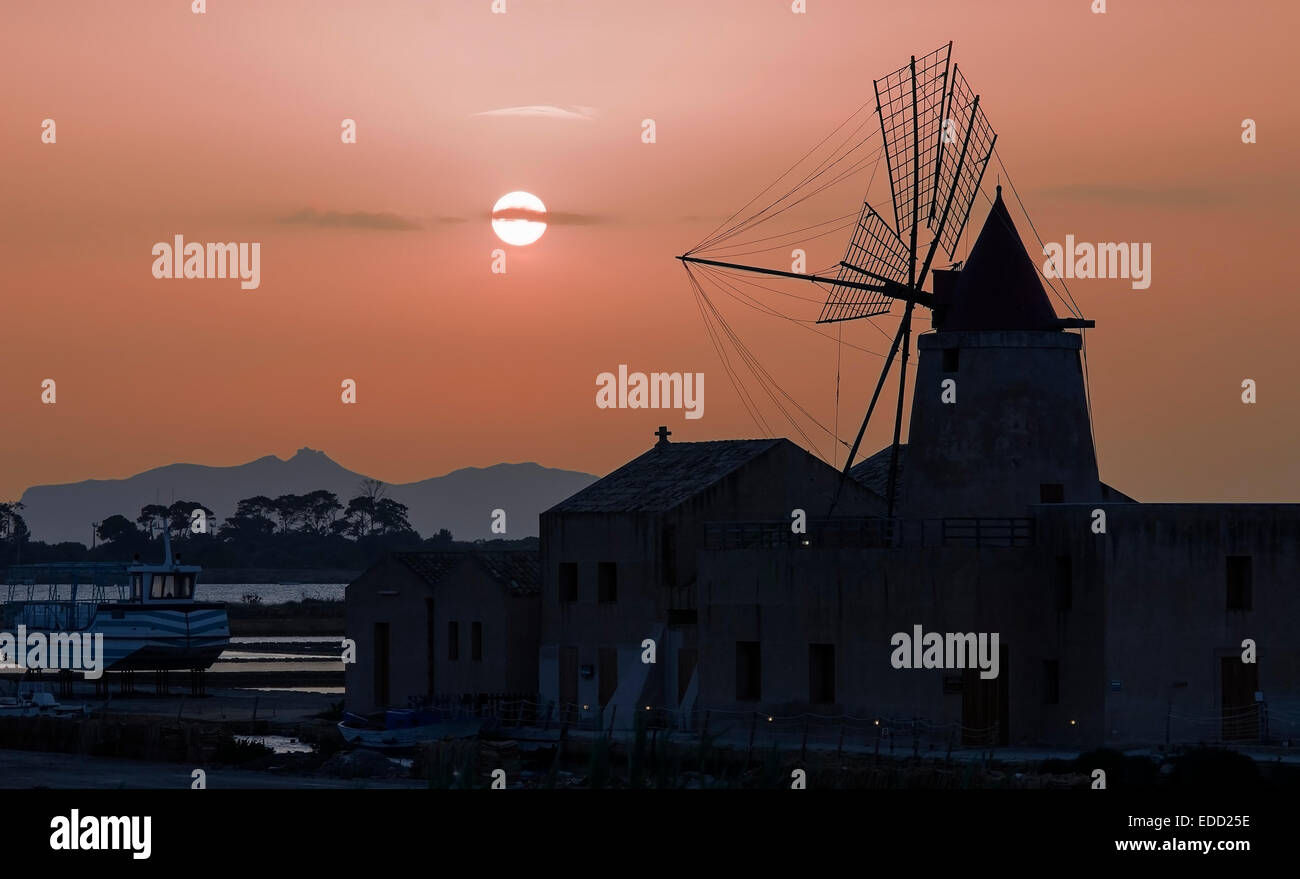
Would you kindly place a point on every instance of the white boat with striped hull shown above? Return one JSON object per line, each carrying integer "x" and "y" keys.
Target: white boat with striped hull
{"x": 153, "y": 622}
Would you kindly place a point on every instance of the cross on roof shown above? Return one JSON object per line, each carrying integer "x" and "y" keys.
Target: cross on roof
{"x": 663, "y": 433}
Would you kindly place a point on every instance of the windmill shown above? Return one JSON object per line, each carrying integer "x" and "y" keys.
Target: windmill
{"x": 937, "y": 144}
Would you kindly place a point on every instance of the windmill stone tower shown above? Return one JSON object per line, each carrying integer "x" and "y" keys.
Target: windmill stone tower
{"x": 1017, "y": 430}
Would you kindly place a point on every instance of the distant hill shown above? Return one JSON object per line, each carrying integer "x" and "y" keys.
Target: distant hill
{"x": 461, "y": 501}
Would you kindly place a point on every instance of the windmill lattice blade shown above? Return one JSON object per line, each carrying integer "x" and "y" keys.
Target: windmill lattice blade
{"x": 960, "y": 175}
{"x": 894, "y": 96}
{"x": 875, "y": 253}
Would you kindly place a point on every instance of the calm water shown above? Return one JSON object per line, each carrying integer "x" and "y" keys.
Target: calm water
{"x": 230, "y": 593}
{"x": 270, "y": 593}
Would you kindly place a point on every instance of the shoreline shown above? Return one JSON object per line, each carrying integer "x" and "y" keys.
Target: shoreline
{"x": 276, "y": 576}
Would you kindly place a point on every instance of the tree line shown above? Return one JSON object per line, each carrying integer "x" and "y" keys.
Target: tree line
{"x": 312, "y": 530}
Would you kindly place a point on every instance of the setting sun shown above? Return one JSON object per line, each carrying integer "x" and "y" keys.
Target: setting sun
{"x": 516, "y": 218}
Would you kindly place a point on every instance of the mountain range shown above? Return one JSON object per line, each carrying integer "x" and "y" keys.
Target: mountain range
{"x": 461, "y": 501}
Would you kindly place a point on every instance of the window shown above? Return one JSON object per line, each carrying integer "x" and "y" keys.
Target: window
{"x": 568, "y": 581}
{"x": 607, "y": 582}
{"x": 184, "y": 585}
{"x": 476, "y": 642}
{"x": 668, "y": 555}
{"x": 821, "y": 673}
{"x": 136, "y": 589}
{"x": 749, "y": 671}
{"x": 1051, "y": 493}
{"x": 1064, "y": 587}
{"x": 1051, "y": 681}
{"x": 1239, "y": 583}
{"x": 163, "y": 586}
{"x": 453, "y": 641}
{"x": 950, "y": 359}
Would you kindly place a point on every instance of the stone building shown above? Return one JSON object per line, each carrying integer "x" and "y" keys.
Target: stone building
{"x": 1118, "y": 622}
{"x": 619, "y": 563}
{"x": 438, "y": 625}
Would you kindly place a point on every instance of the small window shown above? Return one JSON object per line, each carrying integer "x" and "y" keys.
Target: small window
{"x": 453, "y": 641}
{"x": 821, "y": 673}
{"x": 749, "y": 671}
{"x": 136, "y": 588}
{"x": 1239, "y": 583}
{"x": 1064, "y": 584}
{"x": 476, "y": 642}
{"x": 1051, "y": 681}
{"x": 607, "y": 582}
{"x": 568, "y": 581}
{"x": 950, "y": 359}
{"x": 1051, "y": 493}
{"x": 184, "y": 585}
{"x": 163, "y": 586}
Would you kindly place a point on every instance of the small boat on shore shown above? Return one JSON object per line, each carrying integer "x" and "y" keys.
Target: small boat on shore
{"x": 38, "y": 703}
{"x": 401, "y": 728}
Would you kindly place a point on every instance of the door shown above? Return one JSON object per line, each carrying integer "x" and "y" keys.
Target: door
{"x": 1239, "y": 710}
{"x": 986, "y": 705}
{"x": 431, "y": 688}
{"x": 568, "y": 707}
{"x": 608, "y": 671}
{"x": 381, "y": 665}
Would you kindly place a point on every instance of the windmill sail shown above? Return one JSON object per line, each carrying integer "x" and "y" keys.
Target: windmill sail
{"x": 876, "y": 254}
{"x": 910, "y": 102}
{"x": 962, "y": 162}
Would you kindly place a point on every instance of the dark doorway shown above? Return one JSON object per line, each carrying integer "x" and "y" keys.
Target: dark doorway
{"x": 381, "y": 665}
{"x": 821, "y": 673}
{"x": 686, "y": 659}
{"x": 986, "y": 705}
{"x": 607, "y": 657}
{"x": 1240, "y": 711}
{"x": 749, "y": 671}
{"x": 568, "y": 683}
{"x": 431, "y": 689}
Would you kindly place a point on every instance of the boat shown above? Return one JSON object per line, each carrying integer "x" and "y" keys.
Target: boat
{"x": 149, "y": 615}
{"x": 30, "y": 702}
{"x": 402, "y": 728}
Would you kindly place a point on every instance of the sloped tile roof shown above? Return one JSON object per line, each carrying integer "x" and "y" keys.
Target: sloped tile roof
{"x": 518, "y": 571}
{"x": 664, "y": 477}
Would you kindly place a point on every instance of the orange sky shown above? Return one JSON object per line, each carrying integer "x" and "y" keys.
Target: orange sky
{"x": 1116, "y": 127}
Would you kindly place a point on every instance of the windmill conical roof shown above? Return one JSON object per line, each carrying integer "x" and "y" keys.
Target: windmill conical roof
{"x": 998, "y": 287}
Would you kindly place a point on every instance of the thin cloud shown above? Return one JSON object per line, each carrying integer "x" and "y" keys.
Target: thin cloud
{"x": 382, "y": 220}
{"x": 554, "y": 218}
{"x": 545, "y": 111}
